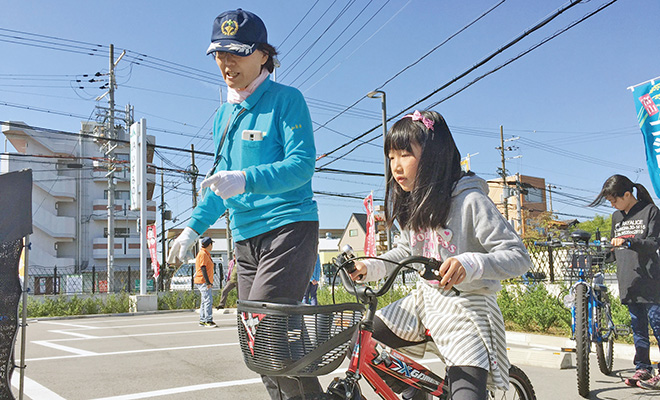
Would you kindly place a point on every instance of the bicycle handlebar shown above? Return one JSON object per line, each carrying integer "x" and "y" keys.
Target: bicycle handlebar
{"x": 345, "y": 264}
{"x": 557, "y": 243}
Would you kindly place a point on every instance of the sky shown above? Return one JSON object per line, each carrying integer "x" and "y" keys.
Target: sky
{"x": 564, "y": 102}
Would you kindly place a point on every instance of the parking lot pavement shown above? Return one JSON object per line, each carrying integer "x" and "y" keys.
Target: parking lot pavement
{"x": 167, "y": 355}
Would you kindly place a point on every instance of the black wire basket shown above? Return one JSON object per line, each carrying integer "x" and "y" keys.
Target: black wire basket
{"x": 583, "y": 265}
{"x": 296, "y": 340}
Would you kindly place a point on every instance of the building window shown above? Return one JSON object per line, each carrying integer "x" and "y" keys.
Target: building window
{"x": 534, "y": 195}
{"x": 119, "y": 232}
{"x": 352, "y": 232}
{"x": 119, "y": 194}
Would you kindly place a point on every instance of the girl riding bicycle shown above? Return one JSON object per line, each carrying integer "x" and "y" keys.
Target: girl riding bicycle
{"x": 445, "y": 213}
{"x": 636, "y": 231}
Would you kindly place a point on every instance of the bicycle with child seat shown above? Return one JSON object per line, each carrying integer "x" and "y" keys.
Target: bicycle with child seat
{"x": 302, "y": 340}
{"x": 590, "y": 307}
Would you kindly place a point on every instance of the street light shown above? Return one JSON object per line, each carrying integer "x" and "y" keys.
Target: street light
{"x": 379, "y": 94}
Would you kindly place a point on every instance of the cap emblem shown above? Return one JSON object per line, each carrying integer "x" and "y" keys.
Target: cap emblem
{"x": 229, "y": 27}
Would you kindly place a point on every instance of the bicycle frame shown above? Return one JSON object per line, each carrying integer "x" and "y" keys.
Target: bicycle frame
{"x": 370, "y": 356}
{"x": 593, "y": 302}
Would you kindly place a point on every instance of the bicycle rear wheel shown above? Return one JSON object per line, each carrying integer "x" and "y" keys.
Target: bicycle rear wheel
{"x": 520, "y": 387}
{"x": 605, "y": 348}
{"x": 582, "y": 340}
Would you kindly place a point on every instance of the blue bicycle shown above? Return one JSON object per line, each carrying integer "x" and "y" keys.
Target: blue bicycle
{"x": 589, "y": 303}
{"x": 590, "y": 308}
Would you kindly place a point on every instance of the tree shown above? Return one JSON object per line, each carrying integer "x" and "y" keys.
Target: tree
{"x": 541, "y": 226}
{"x": 600, "y": 222}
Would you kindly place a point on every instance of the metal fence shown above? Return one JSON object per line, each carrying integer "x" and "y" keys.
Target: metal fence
{"x": 550, "y": 264}
{"x": 51, "y": 281}
{"x": 553, "y": 263}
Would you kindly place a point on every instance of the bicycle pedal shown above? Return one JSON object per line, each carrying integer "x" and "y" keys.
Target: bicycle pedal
{"x": 622, "y": 330}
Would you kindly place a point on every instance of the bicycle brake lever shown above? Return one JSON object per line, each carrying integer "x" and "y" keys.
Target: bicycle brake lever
{"x": 429, "y": 272}
{"x": 350, "y": 265}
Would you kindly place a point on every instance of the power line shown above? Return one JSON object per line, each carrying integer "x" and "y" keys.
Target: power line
{"x": 312, "y": 27}
{"x": 410, "y": 66}
{"x": 364, "y": 25}
{"x": 480, "y": 63}
{"x": 298, "y": 24}
{"x": 337, "y": 37}
{"x": 309, "y": 48}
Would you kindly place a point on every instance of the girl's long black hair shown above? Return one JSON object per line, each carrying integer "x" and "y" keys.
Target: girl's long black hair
{"x": 617, "y": 186}
{"x": 427, "y": 205}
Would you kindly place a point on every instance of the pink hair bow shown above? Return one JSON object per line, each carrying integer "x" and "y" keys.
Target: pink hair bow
{"x": 417, "y": 116}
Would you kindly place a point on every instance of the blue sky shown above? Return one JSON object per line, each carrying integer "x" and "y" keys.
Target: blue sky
{"x": 567, "y": 100}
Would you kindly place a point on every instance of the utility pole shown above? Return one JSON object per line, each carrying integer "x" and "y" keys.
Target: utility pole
{"x": 193, "y": 173}
{"x": 110, "y": 146}
{"x": 521, "y": 227}
{"x": 163, "y": 245}
{"x": 110, "y": 155}
{"x": 550, "y": 187}
{"x": 505, "y": 191}
{"x": 193, "y": 180}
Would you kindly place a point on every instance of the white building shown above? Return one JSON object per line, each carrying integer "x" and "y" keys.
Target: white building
{"x": 69, "y": 198}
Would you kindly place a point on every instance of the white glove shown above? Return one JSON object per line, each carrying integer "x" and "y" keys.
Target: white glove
{"x": 181, "y": 245}
{"x": 226, "y": 184}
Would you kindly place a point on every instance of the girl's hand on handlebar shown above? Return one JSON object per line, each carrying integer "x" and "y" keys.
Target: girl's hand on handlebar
{"x": 452, "y": 273}
{"x": 360, "y": 271}
{"x": 617, "y": 242}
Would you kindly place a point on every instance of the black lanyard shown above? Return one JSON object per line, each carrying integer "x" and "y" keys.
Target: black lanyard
{"x": 218, "y": 155}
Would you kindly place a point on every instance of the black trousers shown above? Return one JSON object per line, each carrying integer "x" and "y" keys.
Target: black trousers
{"x": 276, "y": 267}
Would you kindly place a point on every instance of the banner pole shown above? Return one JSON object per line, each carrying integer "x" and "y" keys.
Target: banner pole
{"x": 639, "y": 84}
{"x": 26, "y": 249}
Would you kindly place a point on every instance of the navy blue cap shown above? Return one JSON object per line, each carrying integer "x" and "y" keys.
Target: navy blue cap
{"x": 237, "y": 32}
{"x": 206, "y": 241}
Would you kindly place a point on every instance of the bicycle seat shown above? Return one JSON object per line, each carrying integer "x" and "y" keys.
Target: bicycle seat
{"x": 580, "y": 236}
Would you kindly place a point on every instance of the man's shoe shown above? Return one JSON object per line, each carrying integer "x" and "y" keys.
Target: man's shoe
{"x": 220, "y": 307}
{"x": 640, "y": 375}
{"x": 202, "y": 323}
{"x": 210, "y": 324}
{"x": 651, "y": 384}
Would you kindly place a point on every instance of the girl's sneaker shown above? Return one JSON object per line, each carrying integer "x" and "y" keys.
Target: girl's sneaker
{"x": 640, "y": 375}
{"x": 651, "y": 384}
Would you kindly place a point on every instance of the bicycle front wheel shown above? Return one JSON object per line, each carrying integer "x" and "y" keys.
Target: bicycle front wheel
{"x": 582, "y": 340}
{"x": 520, "y": 387}
{"x": 605, "y": 348}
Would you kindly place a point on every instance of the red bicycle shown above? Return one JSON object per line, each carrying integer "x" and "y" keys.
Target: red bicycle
{"x": 302, "y": 340}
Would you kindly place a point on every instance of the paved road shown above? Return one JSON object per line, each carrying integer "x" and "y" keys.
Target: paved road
{"x": 168, "y": 356}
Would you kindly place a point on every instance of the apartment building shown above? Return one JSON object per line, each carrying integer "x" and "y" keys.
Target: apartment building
{"x": 70, "y": 198}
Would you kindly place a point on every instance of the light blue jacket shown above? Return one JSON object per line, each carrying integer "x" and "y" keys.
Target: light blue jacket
{"x": 278, "y": 168}
{"x": 316, "y": 275}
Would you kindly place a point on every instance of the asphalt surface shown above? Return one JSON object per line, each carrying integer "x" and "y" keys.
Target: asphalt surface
{"x": 167, "y": 355}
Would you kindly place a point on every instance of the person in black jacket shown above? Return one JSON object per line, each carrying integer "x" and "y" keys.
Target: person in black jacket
{"x": 636, "y": 236}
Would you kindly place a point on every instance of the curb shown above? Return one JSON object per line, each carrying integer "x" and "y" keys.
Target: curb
{"x": 547, "y": 351}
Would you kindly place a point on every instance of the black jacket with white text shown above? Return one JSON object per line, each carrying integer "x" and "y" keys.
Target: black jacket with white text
{"x": 638, "y": 266}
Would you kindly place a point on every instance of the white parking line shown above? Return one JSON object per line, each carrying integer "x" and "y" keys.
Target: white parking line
{"x": 78, "y": 335}
{"x": 67, "y": 324}
{"x": 88, "y": 337}
{"x": 79, "y": 352}
{"x": 83, "y": 327}
{"x": 132, "y": 352}
{"x": 183, "y": 389}
{"x": 192, "y": 388}
{"x": 34, "y": 390}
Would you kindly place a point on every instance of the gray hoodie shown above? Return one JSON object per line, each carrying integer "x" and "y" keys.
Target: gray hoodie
{"x": 476, "y": 234}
